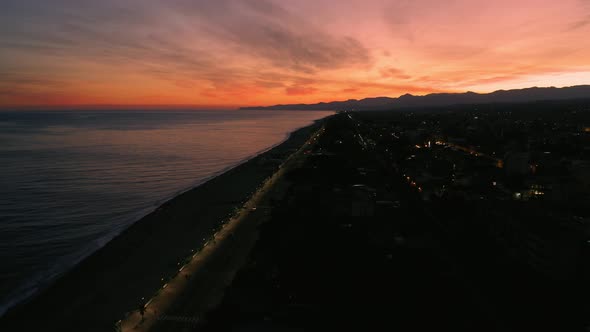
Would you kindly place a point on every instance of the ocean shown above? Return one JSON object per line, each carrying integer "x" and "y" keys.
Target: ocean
{"x": 72, "y": 180}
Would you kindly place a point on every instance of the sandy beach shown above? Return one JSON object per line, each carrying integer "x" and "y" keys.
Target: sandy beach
{"x": 200, "y": 285}
{"x": 124, "y": 275}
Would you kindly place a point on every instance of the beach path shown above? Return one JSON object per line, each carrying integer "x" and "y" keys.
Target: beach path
{"x": 200, "y": 284}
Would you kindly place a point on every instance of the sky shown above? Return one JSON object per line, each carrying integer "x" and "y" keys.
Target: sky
{"x": 227, "y": 53}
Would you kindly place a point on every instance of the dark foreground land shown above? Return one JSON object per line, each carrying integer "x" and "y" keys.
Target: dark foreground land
{"x": 470, "y": 218}
{"x": 459, "y": 219}
{"x": 124, "y": 274}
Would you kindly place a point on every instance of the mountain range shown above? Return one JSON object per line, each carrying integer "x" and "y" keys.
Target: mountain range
{"x": 442, "y": 99}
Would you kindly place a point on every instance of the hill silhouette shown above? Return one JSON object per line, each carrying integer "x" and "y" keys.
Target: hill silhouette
{"x": 442, "y": 99}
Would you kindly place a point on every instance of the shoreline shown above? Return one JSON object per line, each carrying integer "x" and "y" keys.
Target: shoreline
{"x": 43, "y": 283}
{"x": 198, "y": 211}
{"x": 201, "y": 283}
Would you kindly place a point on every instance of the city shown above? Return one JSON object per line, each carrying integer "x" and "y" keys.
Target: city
{"x": 473, "y": 216}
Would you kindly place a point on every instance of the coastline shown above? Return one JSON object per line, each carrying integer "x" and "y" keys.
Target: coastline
{"x": 133, "y": 264}
{"x": 43, "y": 283}
{"x": 201, "y": 283}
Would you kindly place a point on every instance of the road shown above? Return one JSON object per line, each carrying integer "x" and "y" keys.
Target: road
{"x": 211, "y": 284}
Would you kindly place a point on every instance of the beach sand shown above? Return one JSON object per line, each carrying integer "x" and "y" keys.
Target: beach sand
{"x": 201, "y": 283}
{"x": 129, "y": 270}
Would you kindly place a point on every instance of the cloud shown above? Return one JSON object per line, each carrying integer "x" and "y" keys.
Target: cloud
{"x": 182, "y": 41}
{"x": 350, "y": 90}
{"x": 265, "y": 30}
{"x": 300, "y": 90}
{"x": 394, "y": 73}
{"x": 584, "y": 21}
{"x": 268, "y": 51}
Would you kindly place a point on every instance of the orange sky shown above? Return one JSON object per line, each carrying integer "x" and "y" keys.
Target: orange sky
{"x": 227, "y": 53}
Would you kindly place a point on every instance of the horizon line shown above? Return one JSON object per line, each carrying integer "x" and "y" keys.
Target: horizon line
{"x": 197, "y": 107}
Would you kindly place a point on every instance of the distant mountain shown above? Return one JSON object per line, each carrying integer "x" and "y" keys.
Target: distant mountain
{"x": 443, "y": 99}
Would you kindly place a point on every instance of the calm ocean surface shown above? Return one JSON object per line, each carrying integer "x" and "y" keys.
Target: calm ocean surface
{"x": 71, "y": 181}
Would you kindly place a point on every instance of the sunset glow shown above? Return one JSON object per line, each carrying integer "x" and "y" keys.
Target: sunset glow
{"x": 228, "y": 53}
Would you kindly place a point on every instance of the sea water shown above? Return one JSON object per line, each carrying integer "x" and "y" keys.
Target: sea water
{"x": 72, "y": 180}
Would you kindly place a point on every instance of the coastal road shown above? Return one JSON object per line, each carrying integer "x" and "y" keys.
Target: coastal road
{"x": 200, "y": 284}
